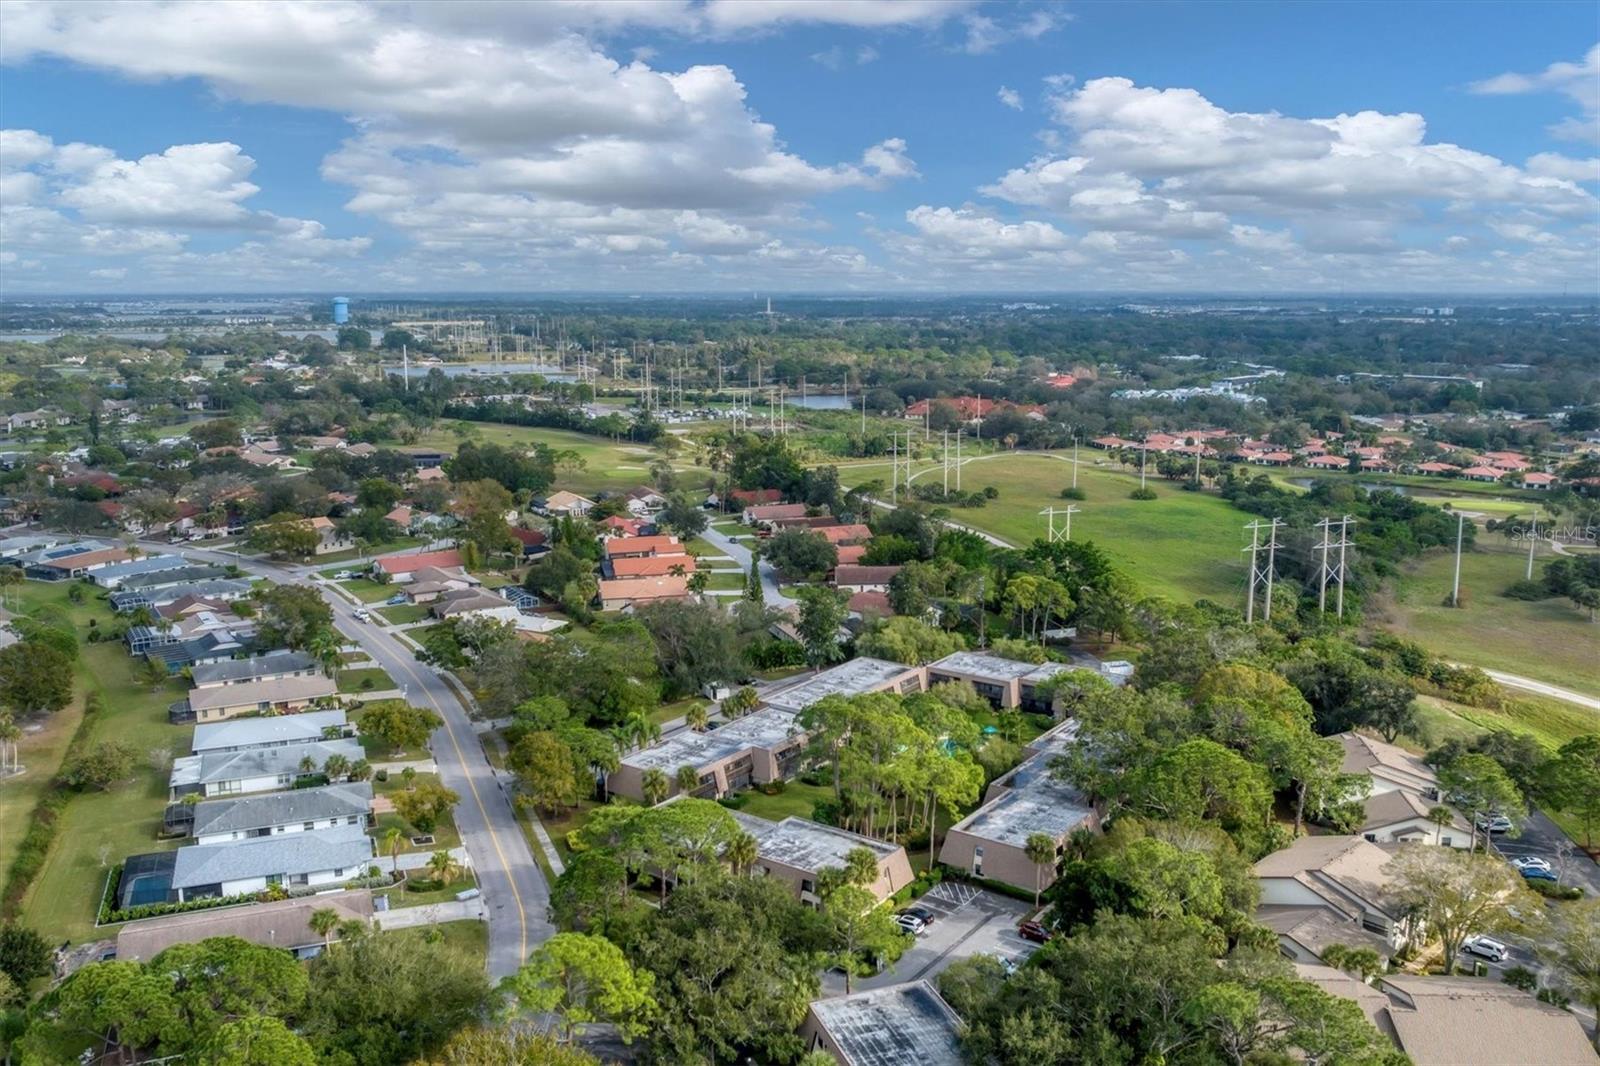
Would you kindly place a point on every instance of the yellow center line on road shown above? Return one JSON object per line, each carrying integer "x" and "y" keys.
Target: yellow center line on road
{"x": 488, "y": 824}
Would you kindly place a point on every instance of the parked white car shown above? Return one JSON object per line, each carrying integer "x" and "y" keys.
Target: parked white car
{"x": 911, "y": 924}
{"x": 1485, "y": 947}
{"x": 1494, "y": 823}
{"x": 1532, "y": 862}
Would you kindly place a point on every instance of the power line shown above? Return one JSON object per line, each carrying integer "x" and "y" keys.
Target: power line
{"x": 1261, "y": 574}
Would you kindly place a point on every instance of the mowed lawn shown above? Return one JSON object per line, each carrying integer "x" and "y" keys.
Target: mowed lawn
{"x": 100, "y": 829}
{"x": 1181, "y": 545}
{"x": 607, "y": 465}
{"x": 1548, "y": 640}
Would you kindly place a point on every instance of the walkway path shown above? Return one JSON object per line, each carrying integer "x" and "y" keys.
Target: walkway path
{"x": 1528, "y": 684}
{"x": 455, "y": 910}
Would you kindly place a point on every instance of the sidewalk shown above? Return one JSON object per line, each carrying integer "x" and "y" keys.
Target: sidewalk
{"x": 455, "y": 910}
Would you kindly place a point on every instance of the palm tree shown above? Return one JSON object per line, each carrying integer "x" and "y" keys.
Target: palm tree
{"x": 688, "y": 779}
{"x": 10, "y": 577}
{"x": 697, "y": 717}
{"x": 394, "y": 842}
{"x": 860, "y": 866}
{"x": 324, "y": 920}
{"x": 444, "y": 866}
{"x": 337, "y": 766}
{"x": 409, "y": 776}
{"x": 1440, "y": 816}
{"x": 1040, "y": 849}
{"x": 655, "y": 785}
{"x": 742, "y": 853}
{"x": 324, "y": 647}
{"x": 308, "y": 765}
{"x": 352, "y": 929}
{"x": 10, "y": 734}
{"x": 360, "y": 770}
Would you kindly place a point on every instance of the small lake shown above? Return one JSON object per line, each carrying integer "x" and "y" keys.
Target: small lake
{"x": 818, "y": 402}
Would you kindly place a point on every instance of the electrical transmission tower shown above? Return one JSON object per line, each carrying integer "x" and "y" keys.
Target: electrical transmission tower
{"x": 1262, "y": 574}
{"x": 1065, "y": 533}
{"x": 1331, "y": 569}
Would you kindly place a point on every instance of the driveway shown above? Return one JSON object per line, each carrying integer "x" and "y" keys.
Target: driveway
{"x": 773, "y": 595}
{"x": 971, "y": 921}
{"x": 515, "y": 894}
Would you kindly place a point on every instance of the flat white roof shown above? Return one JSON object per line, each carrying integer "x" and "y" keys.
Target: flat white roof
{"x": 981, "y": 664}
{"x": 808, "y": 845}
{"x": 257, "y": 732}
{"x": 766, "y": 728}
{"x": 901, "y": 1025}
{"x": 1036, "y": 803}
{"x": 853, "y": 678}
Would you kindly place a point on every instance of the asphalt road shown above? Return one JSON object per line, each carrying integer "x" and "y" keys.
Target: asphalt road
{"x": 515, "y": 893}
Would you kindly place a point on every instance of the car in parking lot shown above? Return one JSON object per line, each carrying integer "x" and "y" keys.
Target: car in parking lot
{"x": 1494, "y": 823}
{"x": 927, "y": 916}
{"x": 911, "y": 924}
{"x": 1485, "y": 947}
{"x": 1033, "y": 931}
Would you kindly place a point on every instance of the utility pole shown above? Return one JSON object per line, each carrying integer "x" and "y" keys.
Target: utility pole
{"x": 863, "y": 418}
{"x": 946, "y": 457}
{"x": 1455, "y": 587}
{"x": 1143, "y": 451}
{"x": 1259, "y": 573}
{"x": 1335, "y": 571}
{"x": 1050, "y": 515}
{"x": 1074, "y": 462}
{"x": 1533, "y": 542}
{"x": 894, "y": 466}
{"x": 958, "y": 460}
{"x": 405, "y": 367}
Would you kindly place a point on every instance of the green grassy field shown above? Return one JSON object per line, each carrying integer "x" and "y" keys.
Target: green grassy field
{"x": 795, "y": 800}
{"x": 1549, "y": 640}
{"x": 1183, "y": 545}
{"x": 406, "y": 612}
{"x": 100, "y": 829}
{"x": 470, "y": 938}
{"x": 607, "y": 465}
{"x": 368, "y": 591}
{"x": 354, "y": 681}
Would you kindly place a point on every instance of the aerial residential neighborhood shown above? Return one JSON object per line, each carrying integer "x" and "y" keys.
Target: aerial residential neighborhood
{"x": 852, "y": 533}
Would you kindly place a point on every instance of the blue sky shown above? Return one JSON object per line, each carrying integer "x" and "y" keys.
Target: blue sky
{"x": 798, "y": 145}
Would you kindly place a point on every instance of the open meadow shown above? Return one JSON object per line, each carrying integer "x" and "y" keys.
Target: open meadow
{"x": 1548, "y": 640}
{"x": 607, "y": 465}
{"x": 1181, "y": 545}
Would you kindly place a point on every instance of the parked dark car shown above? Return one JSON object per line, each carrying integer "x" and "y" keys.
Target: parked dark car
{"x": 924, "y": 913}
{"x": 1033, "y": 931}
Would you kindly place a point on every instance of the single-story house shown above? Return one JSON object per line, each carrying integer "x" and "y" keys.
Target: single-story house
{"x": 898, "y": 1025}
{"x": 767, "y": 513}
{"x": 432, "y": 582}
{"x": 324, "y": 857}
{"x": 621, "y": 593}
{"x": 402, "y": 568}
{"x": 273, "y": 666}
{"x": 644, "y": 501}
{"x": 111, "y": 577}
{"x": 232, "y": 773}
{"x": 636, "y": 547}
{"x": 280, "y": 695}
{"x": 651, "y": 565}
{"x": 1476, "y": 1021}
{"x": 271, "y": 731}
{"x": 567, "y": 503}
{"x": 77, "y": 564}
{"x": 854, "y": 578}
{"x": 301, "y": 810}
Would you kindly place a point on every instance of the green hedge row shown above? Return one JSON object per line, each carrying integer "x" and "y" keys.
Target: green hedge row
{"x": 46, "y": 817}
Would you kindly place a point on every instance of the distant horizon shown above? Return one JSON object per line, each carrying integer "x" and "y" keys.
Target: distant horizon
{"x": 725, "y": 296}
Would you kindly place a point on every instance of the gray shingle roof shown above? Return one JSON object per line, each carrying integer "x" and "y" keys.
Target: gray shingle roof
{"x": 273, "y": 690}
{"x": 345, "y": 848}
{"x": 265, "y": 732}
{"x": 281, "y": 808}
{"x": 236, "y": 670}
{"x": 258, "y": 762}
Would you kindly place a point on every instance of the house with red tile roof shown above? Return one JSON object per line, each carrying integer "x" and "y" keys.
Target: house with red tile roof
{"x": 401, "y": 568}
{"x": 1537, "y": 480}
{"x": 1482, "y": 473}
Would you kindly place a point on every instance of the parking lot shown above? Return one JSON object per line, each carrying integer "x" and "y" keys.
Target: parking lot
{"x": 1541, "y": 837}
{"x": 967, "y": 921}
